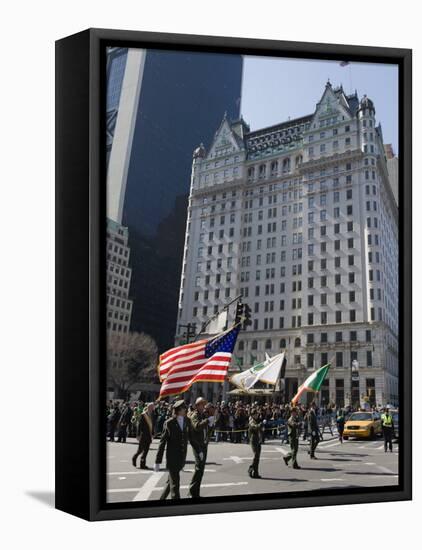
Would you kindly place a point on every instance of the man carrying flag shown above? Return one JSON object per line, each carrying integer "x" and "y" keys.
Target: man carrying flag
{"x": 203, "y": 361}
{"x": 312, "y": 383}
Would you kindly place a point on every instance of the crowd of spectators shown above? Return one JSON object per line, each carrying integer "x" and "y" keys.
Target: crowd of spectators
{"x": 231, "y": 419}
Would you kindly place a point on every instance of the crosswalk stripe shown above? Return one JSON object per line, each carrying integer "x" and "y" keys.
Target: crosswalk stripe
{"x": 149, "y": 486}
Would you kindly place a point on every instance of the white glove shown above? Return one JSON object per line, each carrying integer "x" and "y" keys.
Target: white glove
{"x": 201, "y": 456}
{"x": 156, "y": 467}
{"x": 211, "y": 420}
{"x": 264, "y": 421}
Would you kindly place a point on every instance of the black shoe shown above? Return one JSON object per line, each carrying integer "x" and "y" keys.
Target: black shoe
{"x": 296, "y": 467}
{"x": 286, "y": 461}
{"x": 314, "y": 457}
{"x": 256, "y": 475}
{"x": 134, "y": 461}
{"x": 250, "y": 472}
{"x": 144, "y": 467}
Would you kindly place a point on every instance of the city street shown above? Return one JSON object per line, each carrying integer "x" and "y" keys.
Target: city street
{"x": 355, "y": 463}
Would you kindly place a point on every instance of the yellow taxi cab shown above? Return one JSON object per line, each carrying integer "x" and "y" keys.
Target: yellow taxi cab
{"x": 362, "y": 424}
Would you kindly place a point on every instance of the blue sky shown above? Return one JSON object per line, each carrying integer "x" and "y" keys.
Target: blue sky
{"x": 275, "y": 89}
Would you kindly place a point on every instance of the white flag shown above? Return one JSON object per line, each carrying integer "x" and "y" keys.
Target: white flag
{"x": 268, "y": 372}
{"x": 217, "y": 324}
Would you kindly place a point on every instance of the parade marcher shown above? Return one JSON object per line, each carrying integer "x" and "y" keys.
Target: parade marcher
{"x": 201, "y": 421}
{"x": 387, "y": 429}
{"x": 255, "y": 438}
{"x": 340, "y": 424}
{"x": 112, "y": 421}
{"x": 293, "y": 427}
{"x": 144, "y": 434}
{"x": 313, "y": 428}
{"x": 174, "y": 439}
{"x": 123, "y": 424}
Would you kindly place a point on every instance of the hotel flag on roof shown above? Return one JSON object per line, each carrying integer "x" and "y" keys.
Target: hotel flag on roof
{"x": 202, "y": 361}
{"x": 313, "y": 382}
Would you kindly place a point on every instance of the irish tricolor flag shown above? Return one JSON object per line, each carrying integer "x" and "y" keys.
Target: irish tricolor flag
{"x": 312, "y": 383}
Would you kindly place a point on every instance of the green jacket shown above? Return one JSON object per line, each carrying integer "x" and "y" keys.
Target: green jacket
{"x": 255, "y": 431}
{"x": 293, "y": 426}
{"x": 199, "y": 430}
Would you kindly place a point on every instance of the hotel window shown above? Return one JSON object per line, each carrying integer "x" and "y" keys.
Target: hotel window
{"x": 310, "y": 360}
{"x": 337, "y": 279}
{"x": 323, "y": 281}
{"x": 310, "y": 318}
{"x": 336, "y": 212}
{"x": 351, "y": 260}
{"x": 369, "y": 358}
{"x": 351, "y": 278}
{"x": 323, "y": 230}
{"x": 339, "y": 358}
{"x": 352, "y": 314}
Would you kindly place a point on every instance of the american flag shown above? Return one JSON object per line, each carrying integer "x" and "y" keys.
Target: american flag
{"x": 202, "y": 361}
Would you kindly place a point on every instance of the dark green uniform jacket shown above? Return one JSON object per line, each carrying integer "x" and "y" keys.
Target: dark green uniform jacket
{"x": 293, "y": 425}
{"x": 255, "y": 431}
{"x": 175, "y": 442}
{"x": 200, "y": 431}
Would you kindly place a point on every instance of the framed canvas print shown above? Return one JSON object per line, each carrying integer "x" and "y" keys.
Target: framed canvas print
{"x": 233, "y": 274}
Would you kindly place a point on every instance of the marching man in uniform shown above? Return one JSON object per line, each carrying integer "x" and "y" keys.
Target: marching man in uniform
{"x": 293, "y": 426}
{"x": 201, "y": 422}
{"x": 255, "y": 438}
{"x": 144, "y": 433}
{"x": 314, "y": 429}
{"x": 174, "y": 439}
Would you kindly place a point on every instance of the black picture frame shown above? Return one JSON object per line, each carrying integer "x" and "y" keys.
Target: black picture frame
{"x": 80, "y": 276}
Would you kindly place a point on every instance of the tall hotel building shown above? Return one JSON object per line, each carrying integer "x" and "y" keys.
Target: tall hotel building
{"x": 300, "y": 219}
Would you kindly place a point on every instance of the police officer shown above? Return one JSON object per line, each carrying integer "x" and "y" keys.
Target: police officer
{"x": 174, "y": 439}
{"x": 387, "y": 429}
{"x": 201, "y": 422}
{"x": 144, "y": 433}
{"x": 255, "y": 437}
{"x": 313, "y": 428}
{"x": 293, "y": 427}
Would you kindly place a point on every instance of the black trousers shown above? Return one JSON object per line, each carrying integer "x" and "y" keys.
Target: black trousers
{"x": 172, "y": 485}
{"x": 314, "y": 443}
{"x": 198, "y": 474}
{"x": 388, "y": 438}
{"x": 143, "y": 449}
{"x": 294, "y": 447}
{"x": 256, "y": 455}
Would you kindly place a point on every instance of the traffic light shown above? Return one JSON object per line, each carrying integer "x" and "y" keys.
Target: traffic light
{"x": 239, "y": 313}
{"x": 247, "y": 321}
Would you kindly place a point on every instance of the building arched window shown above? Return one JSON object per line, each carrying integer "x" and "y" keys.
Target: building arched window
{"x": 251, "y": 173}
{"x": 267, "y": 344}
{"x": 297, "y": 342}
{"x": 286, "y": 165}
{"x": 299, "y": 160}
{"x": 274, "y": 167}
{"x": 254, "y": 344}
{"x": 282, "y": 343}
{"x": 262, "y": 171}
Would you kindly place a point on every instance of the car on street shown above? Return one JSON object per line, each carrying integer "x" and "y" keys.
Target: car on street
{"x": 362, "y": 425}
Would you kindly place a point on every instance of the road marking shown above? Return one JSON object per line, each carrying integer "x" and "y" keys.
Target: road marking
{"x": 332, "y": 479}
{"x": 369, "y": 463}
{"x": 281, "y": 450}
{"x": 269, "y": 451}
{"x": 148, "y": 486}
{"x": 121, "y": 477}
{"x": 237, "y": 459}
{"x": 330, "y": 445}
